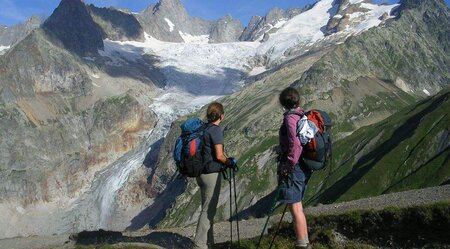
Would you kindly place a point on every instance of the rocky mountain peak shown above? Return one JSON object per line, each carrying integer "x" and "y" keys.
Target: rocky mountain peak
{"x": 11, "y": 35}
{"x": 34, "y": 20}
{"x": 170, "y": 7}
{"x": 74, "y": 27}
{"x": 166, "y": 19}
{"x": 226, "y": 29}
{"x": 274, "y": 15}
{"x": 259, "y": 26}
{"x": 171, "y": 4}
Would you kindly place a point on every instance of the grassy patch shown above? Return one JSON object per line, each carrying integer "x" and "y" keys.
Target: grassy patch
{"x": 415, "y": 227}
{"x": 400, "y": 153}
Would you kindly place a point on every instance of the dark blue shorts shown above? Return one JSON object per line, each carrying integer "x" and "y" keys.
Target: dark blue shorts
{"x": 293, "y": 189}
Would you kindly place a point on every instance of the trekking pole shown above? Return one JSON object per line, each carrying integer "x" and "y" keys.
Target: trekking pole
{"x": 279, "y": 226}
{"x": 236, "y": 207}
{"x": 231, "y": 209}
{"x": 272, "y": 209}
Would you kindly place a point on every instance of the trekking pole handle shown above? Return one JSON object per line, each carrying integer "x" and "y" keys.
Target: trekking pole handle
{"x": 233, "y": 164}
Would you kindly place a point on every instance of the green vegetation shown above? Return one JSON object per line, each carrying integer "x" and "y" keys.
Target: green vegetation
{"x": 406, "y": 151}
{"x": 249, "y": 154}
{"x": 414, "y": 227}
{"x": 108, "y": 111}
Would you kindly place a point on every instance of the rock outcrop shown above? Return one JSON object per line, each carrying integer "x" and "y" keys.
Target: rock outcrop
{"x": 11, "y": 35}
{"x": 225, "y": 29}
{"x": 261, "y": 26}
{"x": 116, "y": 24}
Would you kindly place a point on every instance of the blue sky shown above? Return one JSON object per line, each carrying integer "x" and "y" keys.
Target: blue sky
{"x": 16, "y": 11}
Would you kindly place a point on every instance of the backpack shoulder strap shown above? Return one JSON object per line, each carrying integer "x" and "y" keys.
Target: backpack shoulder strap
{"x": 206, "y": 127}
{"x": 292, "y": 111}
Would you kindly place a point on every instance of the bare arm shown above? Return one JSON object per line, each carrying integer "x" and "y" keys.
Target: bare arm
{"x": 220, "y": 156}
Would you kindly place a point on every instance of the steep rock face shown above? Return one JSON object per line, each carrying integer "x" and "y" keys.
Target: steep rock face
{"x": 62, "y": 152}
{"x": 12, "y": 35}
{"x": 35, "y": 66}
{"x": 349, "y": 83}
{"x": 168, "y": 18}
{"x": 225, "y": 30}
{"x": 73, "y": 27}
{"x": 259, "y": 26}
{"x": 116, "y": 24}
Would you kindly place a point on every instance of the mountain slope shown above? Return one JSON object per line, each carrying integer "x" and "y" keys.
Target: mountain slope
{"x": 82, "y": 114}
{"x": 418, "y": 40}
{"x": 409, "y": 150}
{"x": 342, "y": 80}
{"x": 65, "y": 120}
{"x": 48, "y": 100}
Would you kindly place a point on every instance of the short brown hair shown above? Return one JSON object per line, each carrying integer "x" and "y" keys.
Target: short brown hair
{"x": 289, "y": 98}
{"x": 214, "y": 111}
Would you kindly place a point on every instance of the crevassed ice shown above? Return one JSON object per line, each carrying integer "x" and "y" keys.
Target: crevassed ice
{"x": 188, "y": 38}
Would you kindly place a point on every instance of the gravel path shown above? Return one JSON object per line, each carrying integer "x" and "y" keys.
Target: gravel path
{"x": 248, "y": 228}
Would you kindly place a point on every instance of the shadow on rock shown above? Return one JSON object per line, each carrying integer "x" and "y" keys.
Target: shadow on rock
{"x": 163, "y": 239}
{"x": 153, "y": 214}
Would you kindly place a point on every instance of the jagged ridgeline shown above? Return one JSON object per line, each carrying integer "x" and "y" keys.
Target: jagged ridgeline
{"x": 389, "y": 138}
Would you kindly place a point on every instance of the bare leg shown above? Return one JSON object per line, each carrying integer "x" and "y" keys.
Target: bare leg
{"x": 301, "y": 229}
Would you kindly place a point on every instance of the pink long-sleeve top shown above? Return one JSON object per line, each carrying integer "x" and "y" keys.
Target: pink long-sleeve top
{"x": 289, "y": 142}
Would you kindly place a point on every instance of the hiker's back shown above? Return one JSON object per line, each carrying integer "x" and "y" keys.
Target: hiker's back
{"x": 188, "y": 152}
{"x": 213, "y": 135}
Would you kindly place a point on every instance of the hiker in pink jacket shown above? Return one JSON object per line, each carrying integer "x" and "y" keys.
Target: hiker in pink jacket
{"x": 292, "y": 175}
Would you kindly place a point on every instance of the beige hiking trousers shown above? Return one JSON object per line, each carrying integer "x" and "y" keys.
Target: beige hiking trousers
{"x": 210, "y": 190}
